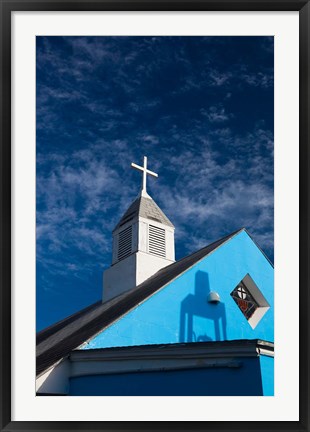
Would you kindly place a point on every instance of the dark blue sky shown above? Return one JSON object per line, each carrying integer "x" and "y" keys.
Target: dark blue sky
{"x": 200, "y": 108}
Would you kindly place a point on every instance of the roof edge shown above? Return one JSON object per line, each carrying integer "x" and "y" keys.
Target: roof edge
{"x": 246, "y": 347}
{"x": 47, "y": 331}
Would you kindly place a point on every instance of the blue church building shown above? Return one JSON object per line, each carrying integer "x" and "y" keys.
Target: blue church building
{"x": 200, "y": 326}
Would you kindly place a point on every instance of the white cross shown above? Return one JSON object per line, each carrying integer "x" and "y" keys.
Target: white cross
{"x": 241, "y": 292}
{"x": 145, "y": 172}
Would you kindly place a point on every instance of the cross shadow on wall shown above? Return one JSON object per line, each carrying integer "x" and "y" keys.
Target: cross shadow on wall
{"x": 196, "y": 305}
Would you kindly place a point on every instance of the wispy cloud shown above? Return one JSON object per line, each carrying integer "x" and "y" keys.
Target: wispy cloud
{"x": 258, "y": 79}
{"x": 219, "y": 78}
{"x": 216, "y": 114}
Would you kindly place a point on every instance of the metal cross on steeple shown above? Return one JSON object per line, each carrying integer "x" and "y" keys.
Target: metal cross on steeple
{"x": 145, "y": 172}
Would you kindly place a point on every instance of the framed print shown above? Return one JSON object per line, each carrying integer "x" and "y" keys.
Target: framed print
{"x": 154, "y": 178}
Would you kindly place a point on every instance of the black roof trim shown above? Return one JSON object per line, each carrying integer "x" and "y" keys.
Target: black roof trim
{"x": 58, "y": 340}
{"x": 48, "y": 331}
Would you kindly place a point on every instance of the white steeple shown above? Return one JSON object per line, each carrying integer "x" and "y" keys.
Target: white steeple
{"x": 143, "y": 243}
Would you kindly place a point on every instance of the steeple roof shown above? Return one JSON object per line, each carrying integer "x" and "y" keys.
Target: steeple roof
{"x": 145, "y": 207}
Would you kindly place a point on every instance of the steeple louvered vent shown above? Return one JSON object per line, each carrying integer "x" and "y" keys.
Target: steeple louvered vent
{"x": 157, "y": 241}
{"x": 124, "y": 243}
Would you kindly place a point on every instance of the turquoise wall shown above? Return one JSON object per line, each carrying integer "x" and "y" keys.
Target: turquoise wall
{"x": 180, "y": 313}
{"x": 267, "y": 370}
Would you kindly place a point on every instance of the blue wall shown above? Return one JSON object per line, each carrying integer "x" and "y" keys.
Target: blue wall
{"x": 267, "y": 370}
{"x": 180, "y": 313}
{"x": 240, "y": 381}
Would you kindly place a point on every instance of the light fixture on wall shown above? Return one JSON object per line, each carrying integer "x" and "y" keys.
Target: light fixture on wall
{"x": 213, "y": 297}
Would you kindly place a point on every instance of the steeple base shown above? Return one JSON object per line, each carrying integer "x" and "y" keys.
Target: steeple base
{"x": 130, "y": 272}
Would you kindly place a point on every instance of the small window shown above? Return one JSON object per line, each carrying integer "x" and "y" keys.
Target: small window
{"x": 124, "y": 243}
{"x": 157, "y": 241}
{"x": 250, "y": 300}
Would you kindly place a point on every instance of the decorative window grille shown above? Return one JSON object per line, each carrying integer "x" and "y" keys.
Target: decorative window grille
{"x": 124, "y": 243}
{"x": 250, "y": 300}
{"x": 157, "y": 241}
{"x": 244, "y": 300}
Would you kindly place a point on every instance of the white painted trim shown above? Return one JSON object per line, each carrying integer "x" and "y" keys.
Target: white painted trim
{"x": 157, "y": 224}
{"x": 265, "y": 352}
{"x": 263, "y": 305}
{"x": 55, "y": 379}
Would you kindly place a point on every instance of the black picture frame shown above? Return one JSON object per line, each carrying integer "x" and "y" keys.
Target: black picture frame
{"x": 6, "y": 8}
